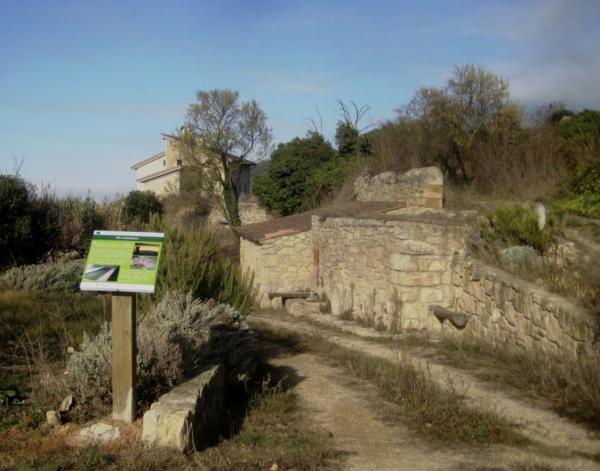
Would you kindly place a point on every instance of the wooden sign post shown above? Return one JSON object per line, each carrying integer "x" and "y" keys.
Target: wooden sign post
{"x": 123, "y": 263}
{"x": 123, "y": 356}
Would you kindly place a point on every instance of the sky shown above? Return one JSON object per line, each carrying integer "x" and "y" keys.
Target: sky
{"x": 86, "y": 87}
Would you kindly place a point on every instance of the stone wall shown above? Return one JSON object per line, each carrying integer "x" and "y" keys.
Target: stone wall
{"x": 279, "y": 264}
{"x": 509, "y": 311}
{"x": 251, "y": 213}
{"x": 189, "y": 416}
{"x": 419, "y": 187}
{"x": 388, "y": 272}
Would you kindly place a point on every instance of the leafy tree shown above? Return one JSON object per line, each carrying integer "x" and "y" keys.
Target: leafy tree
{"x": 294, "y": 180}
{"x": 140, "y": 205}
{"x": 473, "y": 106}
{"x": 479, "y": 95}
{"x": 219, "y": 133}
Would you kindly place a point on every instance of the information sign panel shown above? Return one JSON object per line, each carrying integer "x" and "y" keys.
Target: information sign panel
{"x": 122, "y": 262}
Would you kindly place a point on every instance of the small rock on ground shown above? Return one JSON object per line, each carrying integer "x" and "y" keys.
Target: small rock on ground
{"x": 100, "y": 433}
{"x": 53, "y": 417}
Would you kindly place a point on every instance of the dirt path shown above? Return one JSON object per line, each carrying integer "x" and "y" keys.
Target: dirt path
{"x": 352, "y": 420}
{"x": 344, "y": 409}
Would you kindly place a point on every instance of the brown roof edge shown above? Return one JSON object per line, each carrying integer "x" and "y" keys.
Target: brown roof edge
{"x": 302, "y": 222}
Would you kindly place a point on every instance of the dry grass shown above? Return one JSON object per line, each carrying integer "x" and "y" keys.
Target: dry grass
{"x": 570, "y": 387}
{"x": 271, "y": 432}
{"x": 438, "y": 414}
{"x": 36, "y": 330}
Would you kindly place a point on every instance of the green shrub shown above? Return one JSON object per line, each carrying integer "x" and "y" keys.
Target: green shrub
{"x": 178, "y": 336}
{"x": 191, "y": 261}
{"x": 15, "y": 220}
{"x": 140, "y": 205}
{"x": 61, "y": 277}
{"x": 585, "y": 199}
{"x": 35, "y": 222}
{"x": 517, "y": 224}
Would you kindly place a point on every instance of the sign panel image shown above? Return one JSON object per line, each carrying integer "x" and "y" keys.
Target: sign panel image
{"x": 122, "y": 262}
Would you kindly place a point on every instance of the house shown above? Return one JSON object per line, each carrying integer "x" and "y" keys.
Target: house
{"x": 165, "y": 172}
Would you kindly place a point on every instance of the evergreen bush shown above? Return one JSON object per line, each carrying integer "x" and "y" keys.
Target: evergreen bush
{"x": 141, "y": 205}
{"x": 190, "y": 261}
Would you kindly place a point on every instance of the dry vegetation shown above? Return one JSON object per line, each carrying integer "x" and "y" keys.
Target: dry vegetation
{"x": 270, "y": 432}
{"x": 413, "y": 397}
{"x": 36, "y": 331}
{"x": 568, "y": 386}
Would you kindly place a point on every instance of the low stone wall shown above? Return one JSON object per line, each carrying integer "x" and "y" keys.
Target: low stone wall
{"x": 279, "y": 264}
{"x": 251, "y": 213}
{"x": 388, "y": 272}
{"x": 419, "y": 187}
{"x": 509, "y": 311}
{"x": 188, "y": 416}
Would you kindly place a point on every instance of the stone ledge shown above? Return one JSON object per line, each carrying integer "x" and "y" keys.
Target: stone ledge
{"x": 186, "y": 417}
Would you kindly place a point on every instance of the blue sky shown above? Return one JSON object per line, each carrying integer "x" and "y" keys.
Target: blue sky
{"x": 86, "y": 87}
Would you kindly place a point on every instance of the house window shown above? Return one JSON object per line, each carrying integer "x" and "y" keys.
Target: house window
{"x": 164, "y": 163}
{"x": 178, "y": 161}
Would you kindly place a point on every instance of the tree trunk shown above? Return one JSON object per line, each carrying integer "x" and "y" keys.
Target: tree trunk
{"x": 230, "y": 194}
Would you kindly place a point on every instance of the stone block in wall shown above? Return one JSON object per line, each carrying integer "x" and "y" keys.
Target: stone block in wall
{"x": 189, "y": 415}
{"x": 413, "y": 247}
{"x": 403, "y": 262}
{"x": 431, "y": 263}
{"x": 432, "y": 295}
{"x": 415, "y": 279}
{"x": 419, "y": 187}
{"x": 277, "y": 302}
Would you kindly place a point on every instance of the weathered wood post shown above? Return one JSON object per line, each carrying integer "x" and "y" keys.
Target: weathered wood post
{"x": 123, "y": 356}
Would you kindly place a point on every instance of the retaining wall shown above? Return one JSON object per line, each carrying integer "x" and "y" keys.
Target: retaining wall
{"x": 505, "y": 310}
